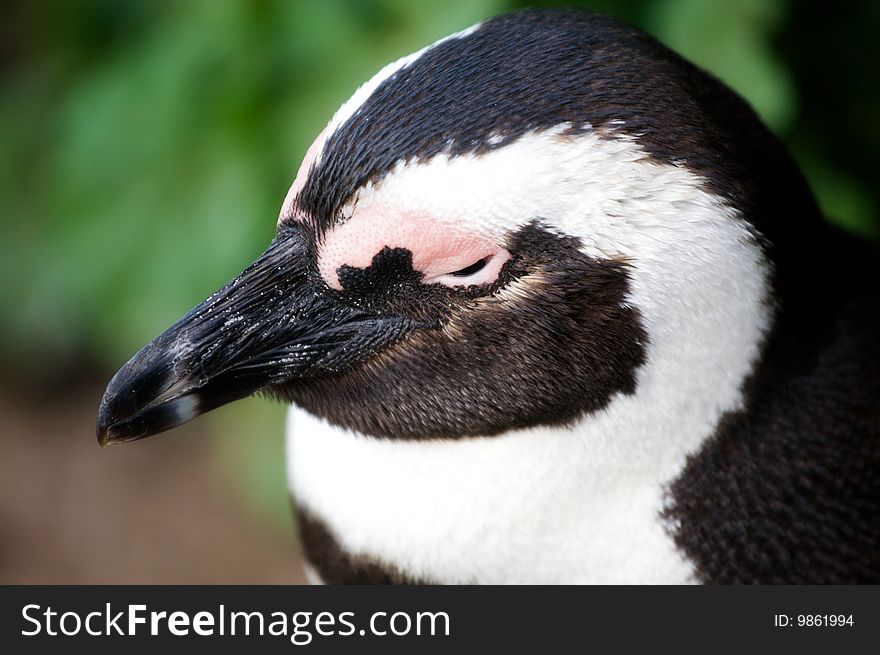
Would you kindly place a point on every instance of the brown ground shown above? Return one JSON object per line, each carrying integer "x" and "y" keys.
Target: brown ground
{"x": 72, "y": 512}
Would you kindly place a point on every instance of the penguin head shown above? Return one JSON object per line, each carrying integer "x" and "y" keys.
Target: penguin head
{"x": 517, "y": 226}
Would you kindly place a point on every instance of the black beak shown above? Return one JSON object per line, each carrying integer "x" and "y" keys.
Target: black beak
{"x": 271, "y": 324}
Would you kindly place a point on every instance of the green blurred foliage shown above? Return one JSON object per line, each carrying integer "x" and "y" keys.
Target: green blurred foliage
{"x": 147, "y": 146}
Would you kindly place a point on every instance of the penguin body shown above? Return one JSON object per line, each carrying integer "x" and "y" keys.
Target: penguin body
{"x": 551, "y": 306}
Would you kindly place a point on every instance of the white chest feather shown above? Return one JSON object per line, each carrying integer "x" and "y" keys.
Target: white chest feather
{"x": 542, "y": 506}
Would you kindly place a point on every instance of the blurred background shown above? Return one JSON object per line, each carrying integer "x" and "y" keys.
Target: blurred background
{"x": 146, "y": 148}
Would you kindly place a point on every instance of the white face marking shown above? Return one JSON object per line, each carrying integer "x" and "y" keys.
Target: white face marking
{"x": 288, "y": 208}
{"x": 559, "y": 505}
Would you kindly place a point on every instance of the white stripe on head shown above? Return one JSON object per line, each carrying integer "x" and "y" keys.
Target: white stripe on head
{"x": 351, "y": 106}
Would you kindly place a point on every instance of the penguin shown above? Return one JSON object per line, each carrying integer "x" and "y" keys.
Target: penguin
{"x": 549, "y": 305}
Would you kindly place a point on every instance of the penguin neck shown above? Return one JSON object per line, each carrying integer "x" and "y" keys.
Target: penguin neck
{"x": 581, "y": 503}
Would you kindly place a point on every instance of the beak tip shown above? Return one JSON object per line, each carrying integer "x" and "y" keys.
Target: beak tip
{"x": 110, "y": 410}
{"x": 111, "y": 425}
{"x": 104, "y": 438}
{"x": 104, "y": 426}
{"x": 117, "y": 423}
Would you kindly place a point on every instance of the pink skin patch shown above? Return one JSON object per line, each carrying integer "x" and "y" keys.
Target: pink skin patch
{"x": 438, "y": 249}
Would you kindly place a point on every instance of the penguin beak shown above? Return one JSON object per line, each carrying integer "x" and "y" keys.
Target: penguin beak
{"x": 271, "y": 324}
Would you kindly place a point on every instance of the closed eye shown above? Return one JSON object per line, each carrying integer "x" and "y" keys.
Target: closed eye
{"x": 482, "y": 272}
{"x": 476, "y": 267}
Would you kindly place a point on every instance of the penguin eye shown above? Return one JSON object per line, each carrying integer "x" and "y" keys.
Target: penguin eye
{"x": 476, "y": 267}
{"x": 481, "y": 272}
